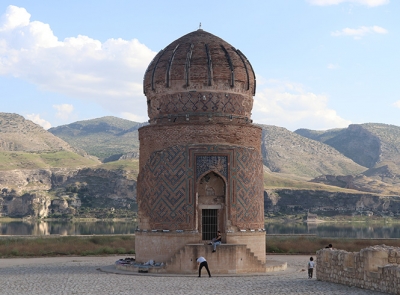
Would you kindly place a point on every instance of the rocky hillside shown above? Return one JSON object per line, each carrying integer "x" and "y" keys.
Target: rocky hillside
{"x": 286, "y": 152}
{"x": 366, "y": 144}
{"x": 108, "y": 138}
{"x": 18, "y": 134}
{"x": 375, "y": 146}
{"x": 26, "y": 145}
{"x": 43, "y": 176}
{"x": 111, "y": 138}
{"x": 50, "y": 179}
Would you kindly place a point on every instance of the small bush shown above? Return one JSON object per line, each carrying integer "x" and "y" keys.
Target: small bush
{"x": 106, "y": 250}
{"x": 121, "y": 251}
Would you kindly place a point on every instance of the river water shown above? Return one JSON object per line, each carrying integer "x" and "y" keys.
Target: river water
{"x": 332, "y": 230}
{"x": 65, "y": 227}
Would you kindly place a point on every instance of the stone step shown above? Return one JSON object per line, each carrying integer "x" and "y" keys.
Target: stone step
{"x": 228, "y": 259}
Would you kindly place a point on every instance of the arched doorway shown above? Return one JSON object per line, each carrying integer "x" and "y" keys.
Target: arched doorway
{"x": 211, "y": 191}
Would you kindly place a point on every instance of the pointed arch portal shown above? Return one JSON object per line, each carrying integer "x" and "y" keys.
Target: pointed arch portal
{"x": 211, "y": 191}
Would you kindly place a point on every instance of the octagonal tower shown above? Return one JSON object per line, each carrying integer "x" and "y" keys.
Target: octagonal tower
{"x": 200, "y": 156}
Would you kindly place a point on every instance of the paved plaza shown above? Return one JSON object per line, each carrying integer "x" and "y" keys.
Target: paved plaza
{"x": 81, "y": 275}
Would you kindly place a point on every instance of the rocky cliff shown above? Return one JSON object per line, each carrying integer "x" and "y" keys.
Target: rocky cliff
{"x": 48, "y": 192}
{"x": 330, "y": 203}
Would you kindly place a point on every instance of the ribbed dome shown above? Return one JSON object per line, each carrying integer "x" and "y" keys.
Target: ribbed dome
{"x": 202, "y": 66}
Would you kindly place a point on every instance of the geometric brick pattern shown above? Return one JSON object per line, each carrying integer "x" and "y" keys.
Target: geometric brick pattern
{"x": 167, "y": 185}
{"x": 163, "y": 190}
{"x": 209, "y": 163}
{"x": 206, "y": 102}
{"x": 249, "y": 189}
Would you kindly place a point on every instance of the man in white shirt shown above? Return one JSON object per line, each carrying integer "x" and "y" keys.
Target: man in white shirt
{"x": 201, "y": 261}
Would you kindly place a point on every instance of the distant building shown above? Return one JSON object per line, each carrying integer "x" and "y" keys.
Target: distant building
{"x": 311, "y": 217}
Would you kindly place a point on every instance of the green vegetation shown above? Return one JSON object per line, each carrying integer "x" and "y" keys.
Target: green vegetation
{"x": 129, "y": 164}
{"x": 102, "y": 137}
{"x": 278, "y": 180}
{"x": 24, "y": 160}
{"x": 311, "y": 244}
{"x": 60, "y": 246}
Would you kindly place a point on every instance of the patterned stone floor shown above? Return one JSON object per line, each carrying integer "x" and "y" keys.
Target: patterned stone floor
{"x": 80, "y": 275}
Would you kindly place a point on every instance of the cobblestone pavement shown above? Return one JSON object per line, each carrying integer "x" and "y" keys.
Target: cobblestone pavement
{"x": 79, "y": 275}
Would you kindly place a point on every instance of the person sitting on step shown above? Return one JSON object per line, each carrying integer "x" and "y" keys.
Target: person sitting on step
{"x": 216, "y": 241}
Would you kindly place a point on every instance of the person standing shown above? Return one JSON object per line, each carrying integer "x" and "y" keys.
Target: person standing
{"x": 310, "y": 268}
{"x": 202, "y": 262}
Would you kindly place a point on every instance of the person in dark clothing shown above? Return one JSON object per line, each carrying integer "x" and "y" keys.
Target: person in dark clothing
{"x": 216, "y": 241}
{"x": 202, "y": 262}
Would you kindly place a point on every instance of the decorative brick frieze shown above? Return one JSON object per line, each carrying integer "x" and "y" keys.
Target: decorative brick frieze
{"x": 196, "y": 103}
{"x": 157, "y": 137}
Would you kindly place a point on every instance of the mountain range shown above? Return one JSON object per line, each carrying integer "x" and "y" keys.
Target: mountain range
{"x": 360, "y": 158}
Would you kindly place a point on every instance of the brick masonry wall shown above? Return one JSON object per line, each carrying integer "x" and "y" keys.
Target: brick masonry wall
{"x": 168, "y": 181}
{"x": 158, "y": 137}
{"x": 375, "y": 268}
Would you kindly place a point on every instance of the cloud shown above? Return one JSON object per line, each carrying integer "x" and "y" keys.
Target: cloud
{"x": 370, "y": 3}
{"x": 134, "y": 117}
{"x": 35, "y": 118}
{"x": 63, "y": 110}
{"x": 360, "y": 32}
{"x": 291, "y": 106}
{"x": 397, "y": 104}
{"x": 333, "y": 66}
{"x": 109, "y": 73}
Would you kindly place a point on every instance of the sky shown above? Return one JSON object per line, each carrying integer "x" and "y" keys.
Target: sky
{"x": 320, "y": 64}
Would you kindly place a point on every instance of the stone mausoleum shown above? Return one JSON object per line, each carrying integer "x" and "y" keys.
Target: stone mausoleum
{"x": 200, "y": 159}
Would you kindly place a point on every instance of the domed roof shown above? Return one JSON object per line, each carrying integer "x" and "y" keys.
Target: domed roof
{"x": 199, "y": 60}
{"x": 199, "y": 76}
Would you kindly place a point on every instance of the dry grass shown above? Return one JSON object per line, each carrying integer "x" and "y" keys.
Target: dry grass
{"x": 59, "y": 246}
{"x": 307, "y": 244}
{"x": 125, "y": 244}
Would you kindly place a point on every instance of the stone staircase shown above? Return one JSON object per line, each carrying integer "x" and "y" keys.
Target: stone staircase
{"x": 228, "y": 259}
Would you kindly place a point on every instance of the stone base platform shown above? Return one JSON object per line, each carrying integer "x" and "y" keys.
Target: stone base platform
{"x": 228, "y": 259}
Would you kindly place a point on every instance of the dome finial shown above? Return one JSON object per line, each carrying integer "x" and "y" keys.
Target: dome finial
{"x": 200, "y": 26}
